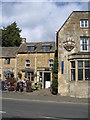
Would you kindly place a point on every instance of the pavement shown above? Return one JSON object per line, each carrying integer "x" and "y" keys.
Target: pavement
{"x": 43, "y": 96}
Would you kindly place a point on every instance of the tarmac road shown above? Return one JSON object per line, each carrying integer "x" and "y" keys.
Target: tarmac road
{"x": 23, "y": 108}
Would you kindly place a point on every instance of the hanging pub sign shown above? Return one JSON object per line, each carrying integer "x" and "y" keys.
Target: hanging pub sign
{"x": 69, "y": 44}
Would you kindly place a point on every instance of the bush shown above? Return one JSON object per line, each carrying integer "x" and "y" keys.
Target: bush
{"x": 54, "y": 87}
{"x": 40, "y": 85}
{"x": 11, "y": 88}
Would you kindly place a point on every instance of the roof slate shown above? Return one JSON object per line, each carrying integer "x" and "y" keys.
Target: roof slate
{"x": 9, "y": 51}
{"x": 38, "y": 46}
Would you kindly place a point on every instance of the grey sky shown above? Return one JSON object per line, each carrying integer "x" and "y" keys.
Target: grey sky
{"x": 39, "y": 20}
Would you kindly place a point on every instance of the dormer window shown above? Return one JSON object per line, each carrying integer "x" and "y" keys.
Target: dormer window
{"x": 30, "y": 48}
{"x": 83, "y": 23}
{"x": 46, "y": 48}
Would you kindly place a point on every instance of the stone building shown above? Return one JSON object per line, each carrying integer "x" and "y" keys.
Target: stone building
{"x": 7, "y": 61}
{"x": 73, "y": 40}
{"x": 35, "y": 61}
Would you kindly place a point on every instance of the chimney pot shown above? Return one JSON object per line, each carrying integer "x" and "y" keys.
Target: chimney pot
{"x": 23, "y": 40}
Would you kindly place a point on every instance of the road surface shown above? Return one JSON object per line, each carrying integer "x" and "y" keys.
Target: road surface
{"x": 21, "y": 108}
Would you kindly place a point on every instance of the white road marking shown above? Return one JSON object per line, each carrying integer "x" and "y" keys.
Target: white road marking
{"x": 2, "y": 112}
{"x": 47, "y": 117}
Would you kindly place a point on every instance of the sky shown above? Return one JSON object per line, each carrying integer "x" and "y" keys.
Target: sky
{"x": 38, "y": 21}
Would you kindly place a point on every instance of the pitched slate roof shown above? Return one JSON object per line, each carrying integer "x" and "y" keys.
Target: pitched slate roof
{"x": 8, "y": 51}
{"x": 38, "y": 46}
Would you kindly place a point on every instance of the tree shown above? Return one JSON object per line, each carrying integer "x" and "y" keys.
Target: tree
{"x": 11, "y": 35}
{"x": 54, "y": 85}
{"x": 55, "y": 66}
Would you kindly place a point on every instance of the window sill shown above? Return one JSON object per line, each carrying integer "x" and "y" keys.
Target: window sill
{"x": 84, "y": 27}
{"x": 27, "y": 67}
{"x": 80, "y": 81}
{"x": 84, "y": 50}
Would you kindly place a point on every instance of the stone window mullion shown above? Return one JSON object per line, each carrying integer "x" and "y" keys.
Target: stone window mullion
{"x": 70, "y": 71}
{"x": 76, "y": 70}
{"x": 83, "y": 70}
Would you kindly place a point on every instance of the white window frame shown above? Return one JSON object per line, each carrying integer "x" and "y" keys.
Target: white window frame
{"x": 7, "y": 61}
{"x": 51, "y": 63}
{"x": 27, "y": 63}
{"x": 81, "y": 44}
{"x": 83, "y": 20}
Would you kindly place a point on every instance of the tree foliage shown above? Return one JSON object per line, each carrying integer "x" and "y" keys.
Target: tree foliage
{"x": 11, "y": 35}
{"x": 55, "y": 66}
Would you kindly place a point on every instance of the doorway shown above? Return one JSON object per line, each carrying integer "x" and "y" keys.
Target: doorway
{"x": 47, "y": 79}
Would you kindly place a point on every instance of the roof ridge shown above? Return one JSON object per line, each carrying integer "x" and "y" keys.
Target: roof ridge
{"x": 41, "y": 42}
{"x": 10, "y": 47}
{"x": 81, "y": 11}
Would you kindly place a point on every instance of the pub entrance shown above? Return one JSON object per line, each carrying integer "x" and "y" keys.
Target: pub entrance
{"x": 47, "y": 79}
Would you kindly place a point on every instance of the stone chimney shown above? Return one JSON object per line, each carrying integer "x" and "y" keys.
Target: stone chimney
{"x": 23, "y": 40}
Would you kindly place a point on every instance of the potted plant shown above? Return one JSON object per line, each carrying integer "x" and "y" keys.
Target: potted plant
{"x": 40, "y": 85}
{"x": 19, "y": 75}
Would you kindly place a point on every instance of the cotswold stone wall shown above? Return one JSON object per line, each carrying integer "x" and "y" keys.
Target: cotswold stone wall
{"x": 79, "y": 89}
{"x": 6, "y": 67}
{"x": 71, "y": 28}
{"x": 42, "y": 60}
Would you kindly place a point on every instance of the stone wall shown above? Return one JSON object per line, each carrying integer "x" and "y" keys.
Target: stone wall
{"x": 71, "y": 28}
{"x": 6, "y": 67}
{"x": 79, "y": 89}
{"x": 42, "y": 60}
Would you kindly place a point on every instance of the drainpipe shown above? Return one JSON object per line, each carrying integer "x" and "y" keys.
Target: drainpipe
{"x": 1, "y": 70}
{"x": 35, "y": 65}
{"x": 16, "y": 66}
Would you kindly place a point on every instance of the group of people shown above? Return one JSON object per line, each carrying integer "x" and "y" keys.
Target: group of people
{"x": 18, "y": 86}
{"x": 21, "y": 85}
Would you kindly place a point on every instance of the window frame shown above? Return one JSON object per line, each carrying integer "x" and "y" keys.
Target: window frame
{"x": 26, "y": 63}
{"x": 79, "y": 68}
{"x": 84, "y": 43}
{"x": 31, "y": 50}
{"x": 7, "y": 61}
{"x": 44, "y": 48}
{"x": 86, "y": 68}
{"x": 51, "y": 61}
{"x": 72, "y": 68}
{"x": 82, "y": 22}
